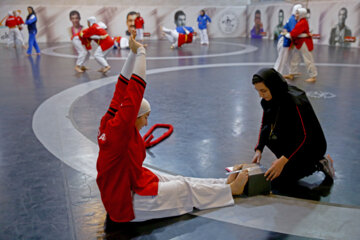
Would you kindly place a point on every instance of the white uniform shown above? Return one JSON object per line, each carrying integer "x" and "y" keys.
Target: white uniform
{"x": 172, "y": 36}
{"x": 178, "y": 195}
{"x": 83, "y": 54}
{"x": 139, "y": 34}
{"x": 100, "y": 56}
{"x": 204, "y": 39}
{"x": 287, "y": 57}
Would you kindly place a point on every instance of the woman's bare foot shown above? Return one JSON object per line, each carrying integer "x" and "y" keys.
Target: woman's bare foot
{"x": 237, "y": 187}
{"x": 134, "y": 45}
{"x": 105, "y": 69}
{"x": 289, "y": 76}
{"x": 84, "y": 68}
{"x": 312, "y": 79}
{"x": 78, "y": 69}
{"x": 233, "y": 176}
{"x": 101, "y": 70}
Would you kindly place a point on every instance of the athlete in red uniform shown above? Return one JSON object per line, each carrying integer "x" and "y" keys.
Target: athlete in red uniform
{"x": 129, "y": 191}
{"x": 178, "y": 39}
{"x": 139, "y": 26}
{"x": 303, "y": 42}
{"x": 14, "y": 32}
{"x": 105, "y": 42}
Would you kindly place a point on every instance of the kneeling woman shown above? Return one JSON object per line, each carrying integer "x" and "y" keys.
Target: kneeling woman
{"x": 291, "y": 130}
{"x": 131, "y": 192}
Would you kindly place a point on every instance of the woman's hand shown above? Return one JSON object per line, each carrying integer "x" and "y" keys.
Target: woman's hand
{"x": 257, "y": 157}
{"x": 276, "y": 168}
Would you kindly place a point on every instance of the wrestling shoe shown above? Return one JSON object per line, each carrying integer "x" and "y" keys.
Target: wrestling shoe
{"x": 326, "y": 166}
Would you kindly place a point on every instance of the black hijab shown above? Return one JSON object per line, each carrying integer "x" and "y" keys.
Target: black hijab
{"x": 274, "y": 81}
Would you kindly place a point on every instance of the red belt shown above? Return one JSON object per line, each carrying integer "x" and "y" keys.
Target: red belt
{"x": 148, "y": 136}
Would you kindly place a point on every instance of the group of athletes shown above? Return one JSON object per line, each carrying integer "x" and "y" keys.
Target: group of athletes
{"x": 296, "y": 40}
{"x": 130, "y": 192}
{"x": 289, "y": 128}
{"x": 97, "y": 32}
{"x": 15, "y": 24}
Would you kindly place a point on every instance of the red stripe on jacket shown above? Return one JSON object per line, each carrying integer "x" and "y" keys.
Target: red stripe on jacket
{"x": 302, "y": 143}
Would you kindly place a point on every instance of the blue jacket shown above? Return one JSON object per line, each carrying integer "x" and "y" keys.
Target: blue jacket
{"x": 181, "y": 30}
{"x": 289, "y": 26}
{"x": 202, "y": 20}
{"x": 31, "y": 23}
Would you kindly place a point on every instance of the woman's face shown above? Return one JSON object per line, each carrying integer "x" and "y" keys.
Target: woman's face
{"x": 142, "y": 121}
{"x": 257, "y": 18}
{"x": 75, "y": 19}
{"x": 29, "y": 10}
{"x": 297, "y": 16}
{"x": 264, "y": 92}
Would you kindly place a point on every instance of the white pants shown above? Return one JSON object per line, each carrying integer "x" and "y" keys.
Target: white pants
{"x": 172, "y": 36}
{"x": 203, "y": 36}
{"x": 308, "y": 60}
{"x": 178, "y": 195}
{"x": 295, "y": 59}
{"x": 100, "y": 56}
{"x": 14, "y": 36}
{"x": 139, "y": 34}
{"x": 83, "y": 54}
{"x": 282, "y": 61}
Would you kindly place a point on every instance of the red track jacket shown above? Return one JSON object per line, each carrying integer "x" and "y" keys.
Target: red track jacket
{"x": 122, "y": 152}
{"x": 11, "y": 22}
{"x": 139, "y": 22}
{"x": 95, "y": 29}
{"x": 301, "y": 27}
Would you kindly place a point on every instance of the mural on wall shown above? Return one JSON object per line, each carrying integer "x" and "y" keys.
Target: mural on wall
{"x": 228, "y": 22}
{"x": 280, "y": 25}
{"x": 340, "y": 31}
{"x": 180, "y": 19}
{"x": 337, "y": 23}
{"x": 75, "y": 19}
{"x": 130, "y": 22}
{"x": 258, "y": 28}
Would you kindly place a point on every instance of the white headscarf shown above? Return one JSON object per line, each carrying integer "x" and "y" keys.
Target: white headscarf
{"x": 91, "y": 20}
{"x": 144, "y": 107}
{"x": 296, "y": 7}
{"x": 10, "y": 13}
{"x": 302, "y": 13}
{"x": 102, "y": 25}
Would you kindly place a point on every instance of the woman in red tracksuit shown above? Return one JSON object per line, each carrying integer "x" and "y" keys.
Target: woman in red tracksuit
{"x": 131, "y": 192}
